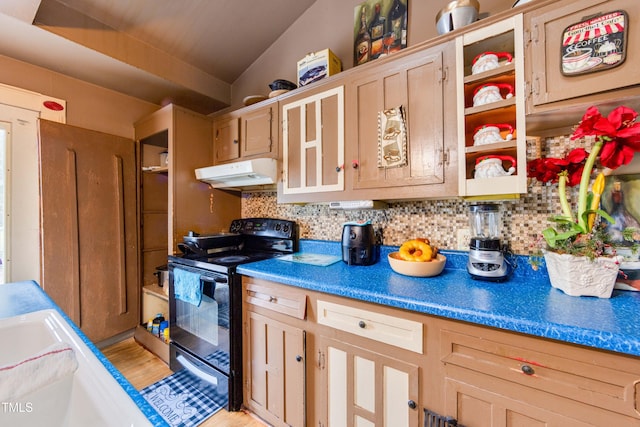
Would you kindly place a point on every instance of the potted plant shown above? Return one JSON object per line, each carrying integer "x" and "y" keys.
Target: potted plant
{"x": 577, "y": 250}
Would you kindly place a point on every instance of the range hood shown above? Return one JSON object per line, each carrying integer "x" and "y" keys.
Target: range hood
{"x": 239, "y": 175}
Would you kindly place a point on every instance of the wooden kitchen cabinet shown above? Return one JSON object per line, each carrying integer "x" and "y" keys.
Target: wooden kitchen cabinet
{"x": 361, "y": 386}
{"x": 274, "y": 353}
{"x": 371, "y": 365}
{"x": 250, "y": 132}
{"x": 312, "y": 144}
{"x": 259, "y": 131}
{"x": 425, "y": 164}
{"x": 366, "y": 388}
{"x": 172, "y": 202}
{"x": 226, "y": 139}
{"x": 556, "y": 99}
{"x": 502, "y": 116}
{"x": 497, "y": 378}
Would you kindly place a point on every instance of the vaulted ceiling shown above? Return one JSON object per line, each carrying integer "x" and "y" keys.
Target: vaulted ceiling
{"x": 189, "y": 51}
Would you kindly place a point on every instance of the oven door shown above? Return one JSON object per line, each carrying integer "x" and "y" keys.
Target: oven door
{"x": 204, "y": 329}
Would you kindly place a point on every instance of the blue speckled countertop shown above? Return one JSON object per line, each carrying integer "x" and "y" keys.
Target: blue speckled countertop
{"x": 526, "y": 303}
{"x": 26, "y": 297}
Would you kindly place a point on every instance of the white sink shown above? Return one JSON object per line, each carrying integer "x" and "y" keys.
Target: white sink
{"x": 89, "y": 397}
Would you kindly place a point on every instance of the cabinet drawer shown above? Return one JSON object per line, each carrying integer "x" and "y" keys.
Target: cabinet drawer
{"x": 593, "y": 378}
{"x": 292, "y": 304}
{"x": 391, "y": 330}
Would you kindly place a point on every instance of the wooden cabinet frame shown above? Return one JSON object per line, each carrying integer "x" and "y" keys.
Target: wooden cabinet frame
{"x": 506, "y": 35}
{"x": 313, "y": 143}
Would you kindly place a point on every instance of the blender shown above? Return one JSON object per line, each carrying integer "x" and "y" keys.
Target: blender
{"x": 486, "y": 252}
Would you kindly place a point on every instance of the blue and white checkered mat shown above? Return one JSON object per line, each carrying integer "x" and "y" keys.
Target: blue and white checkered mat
{"x": 183, "y": 400}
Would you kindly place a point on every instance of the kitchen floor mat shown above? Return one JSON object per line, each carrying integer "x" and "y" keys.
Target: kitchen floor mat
{"x": 182, "y": 401}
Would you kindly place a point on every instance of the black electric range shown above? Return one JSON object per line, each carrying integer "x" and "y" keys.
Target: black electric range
{"x": 206, "y": 332}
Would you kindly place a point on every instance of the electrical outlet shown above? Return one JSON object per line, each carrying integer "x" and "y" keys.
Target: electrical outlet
{"x": 464, "y": 236}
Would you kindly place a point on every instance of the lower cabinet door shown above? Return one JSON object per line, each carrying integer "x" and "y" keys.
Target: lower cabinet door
{"x": 477, "y": 400}
{"x": 275, "y": 371}
{"x": 366, "y": 389}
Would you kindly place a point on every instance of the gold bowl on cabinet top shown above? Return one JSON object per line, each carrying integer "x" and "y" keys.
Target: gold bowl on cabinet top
{"x": 417, "y": 268}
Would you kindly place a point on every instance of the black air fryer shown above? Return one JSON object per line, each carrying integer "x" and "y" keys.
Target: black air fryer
{"x": 358, "y": 243}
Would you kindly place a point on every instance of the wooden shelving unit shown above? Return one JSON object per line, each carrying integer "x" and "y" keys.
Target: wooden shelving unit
{"x": 503, "y": 36}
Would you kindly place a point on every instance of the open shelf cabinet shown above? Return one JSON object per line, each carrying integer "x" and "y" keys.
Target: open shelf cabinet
{"x": 505, "y": 115}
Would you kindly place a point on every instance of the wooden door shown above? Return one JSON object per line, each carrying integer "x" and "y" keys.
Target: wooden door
{"x": 226, "y": 139}
{"x": 313, "y": 144}
{"x": 275, "y": 374}
{"x": 366, "y": 389}
{"x": 258, "y": 132}
{"x": 89, "y": 227}
{"x": 477, "y": 407}
{"x": 417, "y": 84}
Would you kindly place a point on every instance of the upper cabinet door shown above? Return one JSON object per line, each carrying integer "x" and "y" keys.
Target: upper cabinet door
{"x": 313, "y": 143}
{"x": 546, "y": 28}
{"x": 226, "y": 140}
{"x": 259, "y": 132}
{"x": 397, "y": 128}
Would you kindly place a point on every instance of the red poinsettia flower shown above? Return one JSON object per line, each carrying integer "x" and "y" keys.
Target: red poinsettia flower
{"x": 618, "y": 131}
{"x": 550, "y": 168}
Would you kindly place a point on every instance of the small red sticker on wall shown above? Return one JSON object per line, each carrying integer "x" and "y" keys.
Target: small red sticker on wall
{"x": 52, "y": 105}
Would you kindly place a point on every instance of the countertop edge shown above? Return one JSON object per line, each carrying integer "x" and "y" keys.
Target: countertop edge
{"x": 585, "y": 335}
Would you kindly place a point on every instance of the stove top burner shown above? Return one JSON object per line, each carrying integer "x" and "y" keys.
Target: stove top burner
{"x": 249, "y": 240}
{"x": 231, "y": 259}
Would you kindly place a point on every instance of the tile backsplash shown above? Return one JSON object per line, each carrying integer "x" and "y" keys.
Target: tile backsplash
{"x": 439, "y": 220}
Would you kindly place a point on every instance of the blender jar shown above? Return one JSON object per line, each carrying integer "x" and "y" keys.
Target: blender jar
{"x": 485, "y": 220}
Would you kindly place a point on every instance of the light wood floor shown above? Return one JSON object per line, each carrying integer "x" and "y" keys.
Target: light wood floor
{"x": 143, "y": 368}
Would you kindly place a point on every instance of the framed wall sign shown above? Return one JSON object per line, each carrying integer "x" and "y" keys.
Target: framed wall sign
{"x": 595, "y": 44}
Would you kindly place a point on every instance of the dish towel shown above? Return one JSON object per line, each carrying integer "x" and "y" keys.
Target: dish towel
{"x": 392, "y": 138}
{"x": 187, "y": 286}
{"x": 46, "y": 367}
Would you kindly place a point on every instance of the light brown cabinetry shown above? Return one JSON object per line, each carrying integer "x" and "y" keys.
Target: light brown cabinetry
{"x": 366, "y": 388}
{"x": 361, "y": 386}
{"x": 371, "y": 365}
{"x": 247, "y": 133}
{"x": 312, "y": 144}
{"x": 274, "y": 353}
{"x": 89, "y": 227}
{"x": 494, "y": 378}
{"x": 565, "y": 97}
{"x": 226, "y": 139}
{"x": 172, "y": 202}
{"x": 492, "y": 127}
{"x": 421, "y": 83}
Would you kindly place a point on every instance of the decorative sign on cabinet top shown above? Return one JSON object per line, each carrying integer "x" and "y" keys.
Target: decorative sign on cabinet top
{"x": 594, "y": 44}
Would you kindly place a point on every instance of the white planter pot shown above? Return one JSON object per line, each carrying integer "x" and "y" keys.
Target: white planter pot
{"x": 580, "y": 276}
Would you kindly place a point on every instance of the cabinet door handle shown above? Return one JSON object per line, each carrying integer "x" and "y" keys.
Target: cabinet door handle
{"x": 362, "y": 324}
{"x": 235, "y": 141}
{"x": 298, "y": 358}
{"x": 528, "y": 370}
{"x": 412, "y": 404}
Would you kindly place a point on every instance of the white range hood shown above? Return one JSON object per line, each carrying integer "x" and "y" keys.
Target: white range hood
{"x": 239, "y": 175}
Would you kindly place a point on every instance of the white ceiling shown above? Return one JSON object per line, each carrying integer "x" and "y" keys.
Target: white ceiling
{"x": 187, "y": 51}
